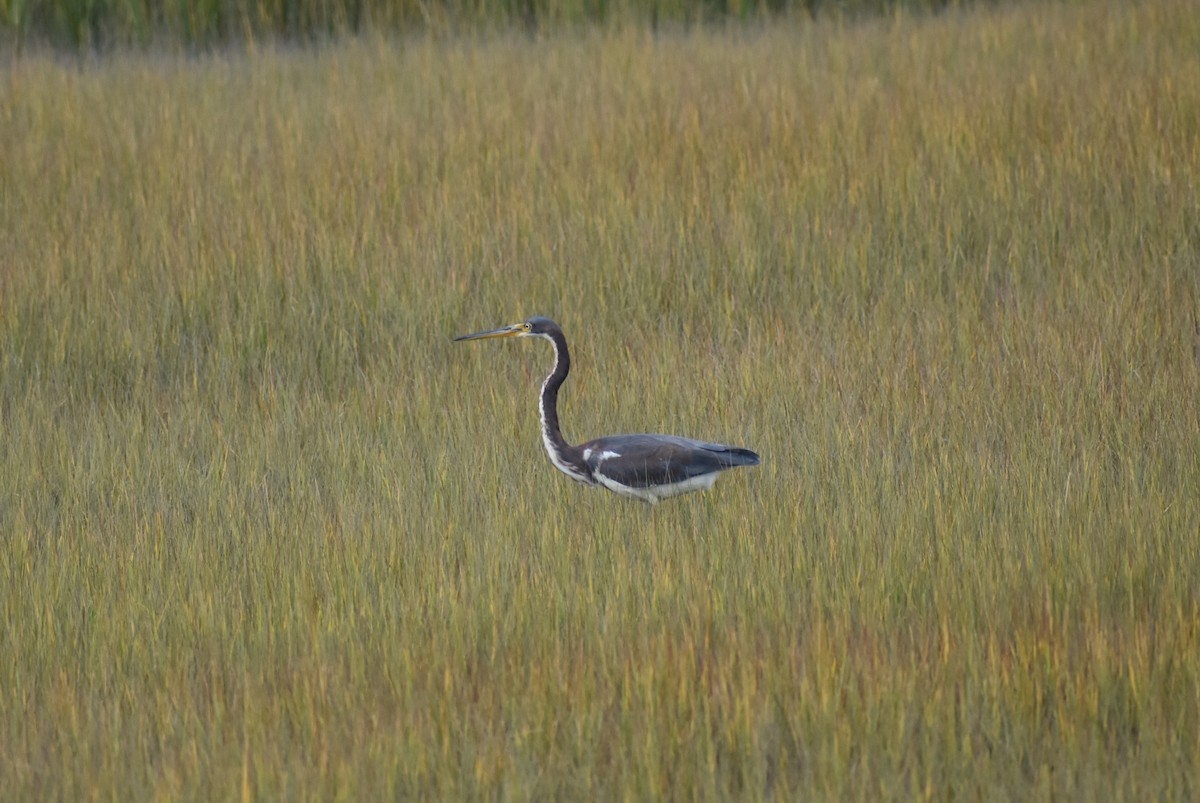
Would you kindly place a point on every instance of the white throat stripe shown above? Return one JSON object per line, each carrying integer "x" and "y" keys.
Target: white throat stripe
{"x": 551, "y": 448}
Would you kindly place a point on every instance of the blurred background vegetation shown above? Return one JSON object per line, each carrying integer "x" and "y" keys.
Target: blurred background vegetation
{"x": 104, "y": 24}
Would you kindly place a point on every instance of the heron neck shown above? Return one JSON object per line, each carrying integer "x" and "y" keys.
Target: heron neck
{"x": 566, "y": 458}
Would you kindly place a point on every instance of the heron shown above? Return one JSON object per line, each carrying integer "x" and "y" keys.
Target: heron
{"x": 645, "y": 467}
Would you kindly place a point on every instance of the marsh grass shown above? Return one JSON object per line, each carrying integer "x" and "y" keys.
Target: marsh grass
{"x": 268, "y": 533}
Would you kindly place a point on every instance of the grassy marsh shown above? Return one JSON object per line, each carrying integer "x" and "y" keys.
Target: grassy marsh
{"x": 267, "y": 532}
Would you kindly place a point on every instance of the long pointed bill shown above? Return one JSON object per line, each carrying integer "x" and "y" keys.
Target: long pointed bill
{"x": 503, "y": 331}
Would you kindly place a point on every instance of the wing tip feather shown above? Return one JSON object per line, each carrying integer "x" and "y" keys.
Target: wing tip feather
{"x": 744, "y": 457}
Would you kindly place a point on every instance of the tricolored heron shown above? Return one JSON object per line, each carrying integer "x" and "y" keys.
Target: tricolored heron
{"x": 646, "y": 467}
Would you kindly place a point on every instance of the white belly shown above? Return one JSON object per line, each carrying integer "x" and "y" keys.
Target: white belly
{"x": 652, "y": 494}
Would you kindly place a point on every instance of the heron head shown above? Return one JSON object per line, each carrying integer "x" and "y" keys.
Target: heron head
{"x": 536, "y": 325}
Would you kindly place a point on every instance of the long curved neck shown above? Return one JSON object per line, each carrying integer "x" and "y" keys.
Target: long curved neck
{"x": 565, "y": 457}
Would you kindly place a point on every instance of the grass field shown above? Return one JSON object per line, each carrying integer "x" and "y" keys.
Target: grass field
{"x": 267, "y": 533}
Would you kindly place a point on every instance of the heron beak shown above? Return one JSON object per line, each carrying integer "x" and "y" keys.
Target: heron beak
{"x": 503, "y": 331}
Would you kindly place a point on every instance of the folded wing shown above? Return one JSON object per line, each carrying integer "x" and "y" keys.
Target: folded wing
{"x": 644, "y": 461}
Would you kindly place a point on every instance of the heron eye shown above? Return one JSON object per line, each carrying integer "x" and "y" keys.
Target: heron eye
{"x": 528, "y": 327}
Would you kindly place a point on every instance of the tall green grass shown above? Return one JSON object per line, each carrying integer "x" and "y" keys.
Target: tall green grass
{"x": 266, "y": 532}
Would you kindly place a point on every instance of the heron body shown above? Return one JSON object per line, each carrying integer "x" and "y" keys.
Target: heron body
{"x": 645, "y": 467}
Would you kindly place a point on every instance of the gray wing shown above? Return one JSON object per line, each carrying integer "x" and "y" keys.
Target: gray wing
{"x": 643, "y": 461}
